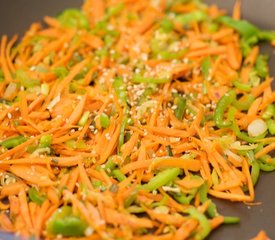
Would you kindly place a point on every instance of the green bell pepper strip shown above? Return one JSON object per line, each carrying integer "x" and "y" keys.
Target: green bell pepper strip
{"x": 222, "y": 105}
{"x": 72, "y": 143}
{"x": 267, "y": 167}
{"x": 183, "y": 198}
{"x": 204, "y": 223}
{"x": 104, "y": 120}
{"x": 266, "y": 35}
{"x": 212, "y": 27}
{"x": 242, "y": 86}
{"x": 261, "y": 65}
{"x": 13, "y": 142}
{"x": 96, "y": 183}
{"x": 147, "y": 92}
{"x": 255, "y": 167}
{"x": 65, "y": 223}
{"x": 267, "y": 164}
{"x": 255, "y": 172}
{"x": 161, "y": 179}
{"x": 166, "y": 25}
{"x": 45, "y": 141}
{"x": 235, "y": 128}
{"x": 166, "y": 55}
{"x": 25, "y": 80}
{"x": 131, "y": 199}
{"x": 244, "y": 102}
{"x": 246, "y": 44}
{"x": 120, "y": 90}
{"x": 269, "y": 112}
{"x": 231, "y": 220}
{"x": 121, "y": 133}
{"x": 73, "y": 18}
{"x": 206, "y": 66}
{"x": 118, "y": 175}
{"x": 195, "y": 16}
{"x": 271, "y": 126}
{"x": 212, "y": 209}
{"x": 1, "y": 75}
{"x": 245, "y": 28}
{"x": 137, "y": 78}
{"x": 35, "y": 196}
{"x": 180, "y": 102}
{"x": 237, "y": 131}
{"x": 84, "y": 118}
{"x": 110, "y": 165}
{"x": 60, "y": 72}
{"x": 115, "y": 10}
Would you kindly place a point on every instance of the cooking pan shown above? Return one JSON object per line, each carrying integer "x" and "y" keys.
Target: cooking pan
{"x": 17, "y": 15}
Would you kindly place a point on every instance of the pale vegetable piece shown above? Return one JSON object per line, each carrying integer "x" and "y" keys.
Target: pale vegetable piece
{"x": 256, "y": 128}
{"x": 10, "y": 92}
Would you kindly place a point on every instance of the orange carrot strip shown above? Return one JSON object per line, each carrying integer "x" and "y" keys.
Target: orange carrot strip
{"x": 77, "y": 113}
{"x": 265, "y": 150}
{"x": 24, "y": 209}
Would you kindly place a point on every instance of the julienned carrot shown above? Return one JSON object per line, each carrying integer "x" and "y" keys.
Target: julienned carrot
{"x": 3, "y": 59}
{"x": 237, "y": 10}
{"x": 24, "y": 209}
{"x": 12, "y": 189}
{"x": 207, "y": 52}
{"x": 74, "y": 118}
{"x": 265, "y": 150}
{"x": 113, "y": 118}
{"x": 190, "y": 164}
{"x": 261, "y": 236}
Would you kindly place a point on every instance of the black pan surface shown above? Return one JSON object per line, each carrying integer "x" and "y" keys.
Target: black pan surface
{"x": 17, "y": 15}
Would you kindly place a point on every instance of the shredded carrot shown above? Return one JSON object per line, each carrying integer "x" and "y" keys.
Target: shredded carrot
{"x": 127, "y": 115}
{"x": 237, "y": 10}
{"x": 261, "y": 236}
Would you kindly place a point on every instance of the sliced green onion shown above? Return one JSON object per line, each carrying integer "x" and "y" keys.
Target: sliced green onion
{"x": 118, "y": 175}
{"x": 13, "y": 142}
{"x": 45, "y": 89}
{"x": 35, "y": 196}
{"x": 120, "y": 90}
{"x": 84, "y": 118}
{"x": 140, "y": 79}
{"x": 64, "y": 222}
{"x": 104, "y": 120}
{"x": 269, "y": 112}
{"x": 45, "y": 141}
{"x": 231, "y": 220}
{"x": 206, "y": 66}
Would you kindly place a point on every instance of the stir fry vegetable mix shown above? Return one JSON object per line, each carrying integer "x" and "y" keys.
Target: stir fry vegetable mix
{"x": 118, "y": 121}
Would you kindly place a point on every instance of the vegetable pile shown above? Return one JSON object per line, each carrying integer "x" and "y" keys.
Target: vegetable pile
{"x": 121, "y": 120}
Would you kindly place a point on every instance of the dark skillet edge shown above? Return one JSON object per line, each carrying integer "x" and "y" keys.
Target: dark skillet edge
{"x": 253, "y": 219}
{"x": 259, "y": 217}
